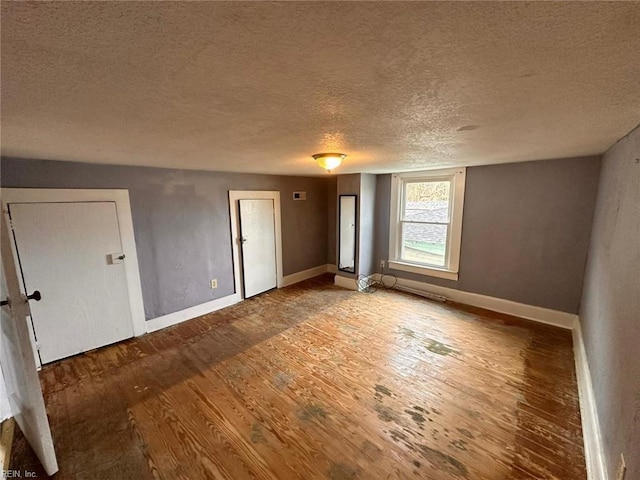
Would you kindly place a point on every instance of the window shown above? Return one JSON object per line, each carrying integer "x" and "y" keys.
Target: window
{"x": 426, "y": 222}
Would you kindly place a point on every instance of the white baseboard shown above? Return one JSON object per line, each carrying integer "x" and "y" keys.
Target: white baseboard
{"x": 345, "y": 282}
{"x": 304, "y": 275}
{"x": 180, "y": 316}
{"x": 530, "y": 312}
{"x": 593, "y": 449}
{"x": 174, "y": 318}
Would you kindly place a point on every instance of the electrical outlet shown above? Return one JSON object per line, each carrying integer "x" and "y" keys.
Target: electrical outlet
{"x": 622, "y": 468}
{"x": 214, "y": 283}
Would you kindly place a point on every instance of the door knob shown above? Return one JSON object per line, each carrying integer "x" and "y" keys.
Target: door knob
{"x": 35, "y": 296}
{"x": 243, "y": 240}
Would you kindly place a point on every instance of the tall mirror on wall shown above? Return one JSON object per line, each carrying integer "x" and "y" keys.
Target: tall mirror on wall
{"x": 347, "y": 234}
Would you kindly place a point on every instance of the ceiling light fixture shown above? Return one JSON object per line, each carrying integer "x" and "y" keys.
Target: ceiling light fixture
{"x": 329, "y": 161}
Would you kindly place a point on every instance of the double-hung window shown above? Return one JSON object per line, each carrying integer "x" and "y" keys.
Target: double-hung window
{"x": 426, "y": 222}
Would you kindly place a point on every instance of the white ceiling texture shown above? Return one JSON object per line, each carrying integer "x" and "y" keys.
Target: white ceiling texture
{"x": 260, "y": 87}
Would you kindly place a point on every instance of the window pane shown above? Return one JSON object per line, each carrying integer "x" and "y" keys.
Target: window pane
{"x": 427, "y": 201}
{"x": 424, "y": 243}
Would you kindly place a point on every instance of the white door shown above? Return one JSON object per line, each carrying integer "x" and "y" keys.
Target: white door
{"x": 18, "y": 365}
{"x": 71, "y": 252}
{"x": 257, "y": 231}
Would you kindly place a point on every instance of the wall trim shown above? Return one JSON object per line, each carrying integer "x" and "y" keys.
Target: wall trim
{"x": 190, "y": 313}
{"x": 431, "y": 272}
{"x": 530, "y": 312}
{"x": 304, "y": 275}
{"x": 593, "y": 447}
{"x": 345, "y": 282}
{"x": 332, "y": 268}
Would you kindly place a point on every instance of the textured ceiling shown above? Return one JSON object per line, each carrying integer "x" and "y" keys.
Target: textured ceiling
{"x": 259, "y": 87}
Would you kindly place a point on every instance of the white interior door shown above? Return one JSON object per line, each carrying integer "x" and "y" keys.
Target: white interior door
{"x": 18, "y": 365}
{"x": 71, "y": 252}
{"x": 257, "y": 230}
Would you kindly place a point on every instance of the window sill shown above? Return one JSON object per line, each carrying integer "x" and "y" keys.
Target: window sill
{"x": 430, "y": 271}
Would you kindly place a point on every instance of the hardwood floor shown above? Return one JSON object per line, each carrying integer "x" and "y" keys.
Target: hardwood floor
{"x": 314, "y": 381}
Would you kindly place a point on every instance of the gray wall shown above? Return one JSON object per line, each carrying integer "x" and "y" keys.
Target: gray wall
{"x": 364, "y": 186}
{"x": 610, "y": 310}
{"x": 348, "y": 185}
{"x": 525, "y": 233}
{"x": 332, "y": 218}
{"x": 182, "y": 225}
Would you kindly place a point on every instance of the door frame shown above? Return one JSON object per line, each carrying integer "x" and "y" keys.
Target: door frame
{"x": 125, "y": 222}
{"x": 234, "y": 196}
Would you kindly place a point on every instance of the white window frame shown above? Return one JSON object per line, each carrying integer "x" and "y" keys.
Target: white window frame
{"x": 457, "y": 177}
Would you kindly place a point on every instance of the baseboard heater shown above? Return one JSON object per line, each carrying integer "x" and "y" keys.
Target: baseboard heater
{"x": 430, "y": 296}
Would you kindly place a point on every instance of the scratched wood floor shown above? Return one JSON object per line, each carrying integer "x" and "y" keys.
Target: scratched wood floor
{"x": 313, "y": 381}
